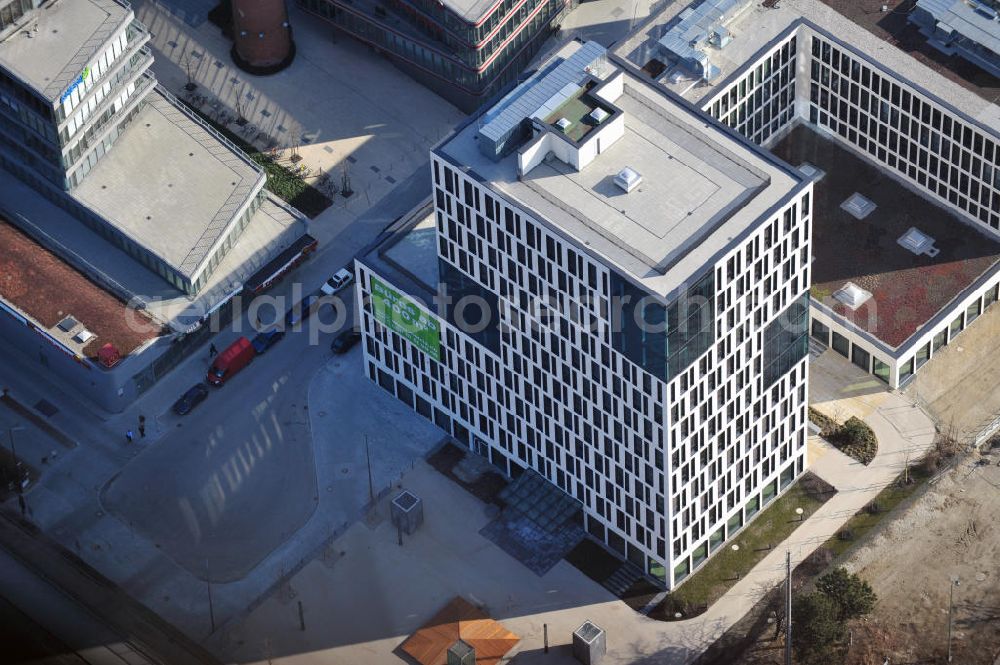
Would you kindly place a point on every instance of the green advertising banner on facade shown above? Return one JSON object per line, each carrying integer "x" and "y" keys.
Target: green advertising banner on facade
{"x": 400, "y": 314}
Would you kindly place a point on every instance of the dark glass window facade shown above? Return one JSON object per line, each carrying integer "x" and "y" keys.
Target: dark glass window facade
{"x": 472, "y": 308}
{"x": 786, "y": 340}
{"x": 663, "y": 339}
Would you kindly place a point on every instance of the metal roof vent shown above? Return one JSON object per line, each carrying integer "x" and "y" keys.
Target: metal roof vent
{"x": 852, "y": 295}
{"x": 628, "y": 179}
{"x": 83, "y": 336}
{"x": 563, "y": 124}
{"x": 599, "y": 115}
{"x": 918, "y": 242}
{"x": 67, "y": 324}
{"x": 811, "y": 171}
{"x": 858, "y": 206}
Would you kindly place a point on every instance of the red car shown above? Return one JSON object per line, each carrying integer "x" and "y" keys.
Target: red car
{"x": 236, "y": 356}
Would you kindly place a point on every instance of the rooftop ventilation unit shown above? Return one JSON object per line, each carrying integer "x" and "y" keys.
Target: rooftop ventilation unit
{"x": 599, "y": 115}
{"x": 858, "y": 206}
{"x": 811, "y": 171}
{"x": 628, "y": 179}
{"x": 918, "y": 242}
{"x": 83, "y": 336}
{"x": 720, "y": 37}
{"x": 67, "y": 324}
{"x": 852, "y": 295}
{"x": 563, "y": 125}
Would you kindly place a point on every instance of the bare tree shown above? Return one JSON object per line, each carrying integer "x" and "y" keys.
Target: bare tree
{"x": 187, "y": 61}
{"x": 239, "y": 104}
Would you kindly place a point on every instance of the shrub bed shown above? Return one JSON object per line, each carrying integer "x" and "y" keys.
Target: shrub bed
{"x": 281, "y": 181}
{"x": 854, "y": 438}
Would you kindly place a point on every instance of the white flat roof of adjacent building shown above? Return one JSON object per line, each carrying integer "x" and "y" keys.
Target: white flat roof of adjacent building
{"x": 171, "y": 185}
{"x": 274, "y": 227}
{"x": 54, "y": 43}
{"x": 759, "y": 26}
{"x": 700, "y": 189}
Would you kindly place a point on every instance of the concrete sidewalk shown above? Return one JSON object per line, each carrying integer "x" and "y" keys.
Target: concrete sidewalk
{"x": 373, "y": 593}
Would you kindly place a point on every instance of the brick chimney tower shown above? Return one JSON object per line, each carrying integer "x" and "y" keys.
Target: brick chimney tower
{"x": 262, "y": 36}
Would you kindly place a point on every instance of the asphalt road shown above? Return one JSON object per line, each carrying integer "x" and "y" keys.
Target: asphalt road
{"x": 236, "y": 477}
{"x": 51, "y": 604}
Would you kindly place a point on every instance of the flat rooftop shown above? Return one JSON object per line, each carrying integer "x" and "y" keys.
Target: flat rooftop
{"x": 407, "y": 254}
{"x": 893, "y": 26}
{"x": 700, "y": 188}
{"x": 41, "y": 286}
{"x": 470, "y": 10}
{"x": 171, "y": 185}
{"x": 908, "y": 289}
{"x": 759, "y": 26}
{"x": 273, "y": 228}
{"x": 65, "y": 37}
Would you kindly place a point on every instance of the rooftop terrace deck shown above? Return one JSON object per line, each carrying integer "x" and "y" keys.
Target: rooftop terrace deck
{"x": 38, "y": 283}
{"x": 171, "y": 185}
{"x": 65, "y": 37}
{"x": 907, "y": 290}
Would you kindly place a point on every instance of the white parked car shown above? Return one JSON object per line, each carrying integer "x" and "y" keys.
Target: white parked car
{"x": 340, "y": 279}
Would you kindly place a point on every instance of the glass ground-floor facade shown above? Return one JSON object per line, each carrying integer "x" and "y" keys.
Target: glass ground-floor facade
{"x": 896, "y": 367}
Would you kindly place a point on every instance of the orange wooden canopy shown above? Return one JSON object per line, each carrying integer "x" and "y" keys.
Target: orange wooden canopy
{"x": 457, "y": 620}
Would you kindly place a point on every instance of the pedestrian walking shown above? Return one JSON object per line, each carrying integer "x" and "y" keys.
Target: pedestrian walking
{"x": 142, "y": 426}
{"x": 212, "y": 351}
{"x": 22, "y": 504}
{"x": 129, "y": 436}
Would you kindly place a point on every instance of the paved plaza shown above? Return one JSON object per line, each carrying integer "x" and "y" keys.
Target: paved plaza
{"x": 367, "y": 593}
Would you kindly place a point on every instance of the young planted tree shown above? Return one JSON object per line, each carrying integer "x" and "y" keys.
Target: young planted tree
{"x": 854, "y": 596}
{"x": 816, "y": 627}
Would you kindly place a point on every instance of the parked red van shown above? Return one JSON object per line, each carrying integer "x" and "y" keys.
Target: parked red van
{"x": 236, "y": 356}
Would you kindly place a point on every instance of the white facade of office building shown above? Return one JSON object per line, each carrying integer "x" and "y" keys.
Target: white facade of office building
{"x": 807, "y": 74}
{"x": 667, "y": 464}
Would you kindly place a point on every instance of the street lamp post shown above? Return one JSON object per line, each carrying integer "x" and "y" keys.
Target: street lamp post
{"x": 799, "y": 511}
{"x": 951, "y": 610}
{"x": 13, "y": 454}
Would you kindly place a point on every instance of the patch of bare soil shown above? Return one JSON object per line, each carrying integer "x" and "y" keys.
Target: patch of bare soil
{"x": 949, "y": 533}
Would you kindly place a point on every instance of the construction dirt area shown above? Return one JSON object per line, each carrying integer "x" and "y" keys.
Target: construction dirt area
{"x": 950, "y": 532}
{"x": 958, "y": 386}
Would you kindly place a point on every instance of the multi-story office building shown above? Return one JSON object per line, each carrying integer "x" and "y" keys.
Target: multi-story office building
{"x": 889, "y": 288}
{"x": 116, "y": 177}
{"x": 622, "y": 308}
{"x": 465, "y": 50}
{"x": 74, "y": 78}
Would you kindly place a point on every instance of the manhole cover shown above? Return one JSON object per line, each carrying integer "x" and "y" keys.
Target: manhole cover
{"x": 46, "y": 408}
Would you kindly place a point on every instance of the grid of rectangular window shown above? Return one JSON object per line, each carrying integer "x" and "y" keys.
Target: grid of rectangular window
{"x": 762, "y": 102}
{"x": 921, "y": 140}
{"x": 665, "y": 467}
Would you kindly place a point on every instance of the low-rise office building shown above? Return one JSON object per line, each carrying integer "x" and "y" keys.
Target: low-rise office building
{"x": 622, "y": 298}
{"x": 882, "y": 136}
{"x": 108, "y": 171}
